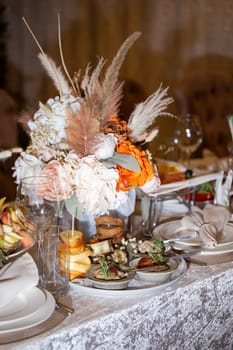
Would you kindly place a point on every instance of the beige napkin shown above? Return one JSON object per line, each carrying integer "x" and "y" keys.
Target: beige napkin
{"x": 16, "y": 277}
{"x": 208, "y": 222}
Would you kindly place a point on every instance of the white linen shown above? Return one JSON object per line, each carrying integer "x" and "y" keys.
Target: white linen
{"x": 16, "y": 277}
{"x": 194, "y": 313}
{"x": 208, "y": 222}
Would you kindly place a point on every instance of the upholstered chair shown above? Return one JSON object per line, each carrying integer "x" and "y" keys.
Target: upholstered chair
{"x": 210, "y": 95}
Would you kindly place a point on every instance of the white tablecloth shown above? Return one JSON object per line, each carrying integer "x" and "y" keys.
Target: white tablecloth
{"x": 195, "y": 314}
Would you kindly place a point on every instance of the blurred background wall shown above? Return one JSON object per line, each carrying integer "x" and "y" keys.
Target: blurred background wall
{"x": 177, "y": 36}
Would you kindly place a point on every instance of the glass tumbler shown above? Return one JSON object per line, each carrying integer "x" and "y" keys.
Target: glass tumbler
{"x": 55, "y": 261}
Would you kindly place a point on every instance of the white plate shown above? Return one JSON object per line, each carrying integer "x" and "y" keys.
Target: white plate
{"x": 173, "y": 229}
{"x": 23, "y": 306}
{"x": 194, "y": 181}
{"x": 135, "y": 287}
{"x": 37, "y": 317}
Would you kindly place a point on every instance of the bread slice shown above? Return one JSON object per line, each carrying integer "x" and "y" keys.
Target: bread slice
{"x": 74, "y": 264}
{"x": 81, "y": 257}
{"x": 70, "y": 250}
{"x": 75, "y": 270}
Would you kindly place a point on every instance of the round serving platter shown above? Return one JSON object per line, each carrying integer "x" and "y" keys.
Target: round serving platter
{"x": 135, "y": 286}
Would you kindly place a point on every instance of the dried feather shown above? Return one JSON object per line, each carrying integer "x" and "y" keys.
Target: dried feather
{"x": 76, "y": 80}
{"x": 86, "y": 78}
{"x": 62, "y": 57}
{"x": 110, "y": 85}
{"x": 23, "y": 121}
{"x": 95, "y": 77}
{"x": 46, "y": 108}
{"x": 55, "y": 74}
{"x": 151, "y": 135}
{"x": 146, "y": 112}
{"x": 82, "y": 129}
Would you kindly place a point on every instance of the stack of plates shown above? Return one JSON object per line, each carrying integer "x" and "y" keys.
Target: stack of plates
{"x": 28, "y": 309}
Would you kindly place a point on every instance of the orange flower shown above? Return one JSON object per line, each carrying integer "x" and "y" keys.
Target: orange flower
{"x": 118, "y": 127}
{"x": 128, "y": 178}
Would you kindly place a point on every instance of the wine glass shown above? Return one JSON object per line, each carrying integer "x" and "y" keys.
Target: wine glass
{"x": 188, "y": 134}
{"x": 35, "y": 211}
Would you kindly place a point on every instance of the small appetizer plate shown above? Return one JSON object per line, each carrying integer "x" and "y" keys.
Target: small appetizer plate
{"x": 112, "y": 284}
{"x": 150, "y": 274}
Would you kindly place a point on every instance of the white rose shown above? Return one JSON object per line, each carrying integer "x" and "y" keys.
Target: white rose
{"x": 26, "y": 165}
{"x": 55, "y": 118}
{"x": 95, "y": 186}
{"x": 151, "y": 186}
{"x": 105, "y": 147}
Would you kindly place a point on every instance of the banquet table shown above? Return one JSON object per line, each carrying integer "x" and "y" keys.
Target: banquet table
{"x": 194, "y": 312}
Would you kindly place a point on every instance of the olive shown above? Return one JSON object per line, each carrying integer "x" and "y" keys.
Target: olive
{"x": 188, "y": 173}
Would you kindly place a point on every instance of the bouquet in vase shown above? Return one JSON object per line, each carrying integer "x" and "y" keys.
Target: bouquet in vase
{"x": 79, "y": 140}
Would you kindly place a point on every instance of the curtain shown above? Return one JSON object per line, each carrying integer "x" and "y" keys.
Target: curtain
{"x": 176, "y": 36}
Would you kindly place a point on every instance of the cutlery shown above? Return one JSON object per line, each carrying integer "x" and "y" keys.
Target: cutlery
{"x": 184, "y": 255}
{"x": 196, "y": 262}
{"x": 65, "y": 309}
{"x": 181, "y": 238}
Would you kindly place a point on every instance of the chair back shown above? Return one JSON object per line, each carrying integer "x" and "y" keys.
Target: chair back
{"x": 210, "y": 95}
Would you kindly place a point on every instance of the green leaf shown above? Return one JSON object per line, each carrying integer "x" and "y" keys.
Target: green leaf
{"x": 125, "y": 160}
{"x": 74, "y": 207}
{"x": 206, "y": 188}
{"x": 145, "y": 206}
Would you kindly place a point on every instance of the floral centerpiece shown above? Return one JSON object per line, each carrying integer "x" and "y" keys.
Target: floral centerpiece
{"x": 78, "y": 138}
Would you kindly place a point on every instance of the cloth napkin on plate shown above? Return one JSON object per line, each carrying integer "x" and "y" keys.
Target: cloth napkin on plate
{"x": 16, "y": 277}
{"x": 208, "y": 222}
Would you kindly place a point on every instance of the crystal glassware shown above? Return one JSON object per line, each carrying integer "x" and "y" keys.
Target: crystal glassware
{"x": 36, "y": 212}
{"x": 188, "y": 135}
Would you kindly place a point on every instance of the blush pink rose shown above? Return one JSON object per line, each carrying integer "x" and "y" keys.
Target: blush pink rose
{"x": 152, "y": 185}
{"x": 62, "y": 186}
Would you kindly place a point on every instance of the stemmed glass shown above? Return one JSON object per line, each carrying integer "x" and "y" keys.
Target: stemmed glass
{"x": 188, "y": 134}
{"x": 34, "y": 210}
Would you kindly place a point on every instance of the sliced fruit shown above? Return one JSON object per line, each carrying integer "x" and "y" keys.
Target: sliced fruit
{"x": 6, "y": 218}
{"x": 11, "y": 239}
{"x": 7, "y": 229}
{"x": 26, "y": 240}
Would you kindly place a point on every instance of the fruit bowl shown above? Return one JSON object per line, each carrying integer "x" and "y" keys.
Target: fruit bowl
{"x": 15, "y": 239}
{"x": 26, "y": 243}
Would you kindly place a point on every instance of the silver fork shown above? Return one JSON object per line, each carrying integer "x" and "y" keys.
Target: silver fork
{"x": 65, "y": 309}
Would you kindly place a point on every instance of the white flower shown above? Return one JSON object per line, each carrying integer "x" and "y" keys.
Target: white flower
{"x": 53, "y": 116}
{"x": 152, "y": 185}
{"x": 106, "y": 146}
{"x": 96, "y": 186}
{"x": 26, "y": 165}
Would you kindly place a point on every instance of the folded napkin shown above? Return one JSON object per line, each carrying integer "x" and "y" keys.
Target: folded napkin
{"x": 16, "y": 277}
{"x": 208, "y": 222}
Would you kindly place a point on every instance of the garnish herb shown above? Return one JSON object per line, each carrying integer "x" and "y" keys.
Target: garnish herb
{"x": 104, "y": 267}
